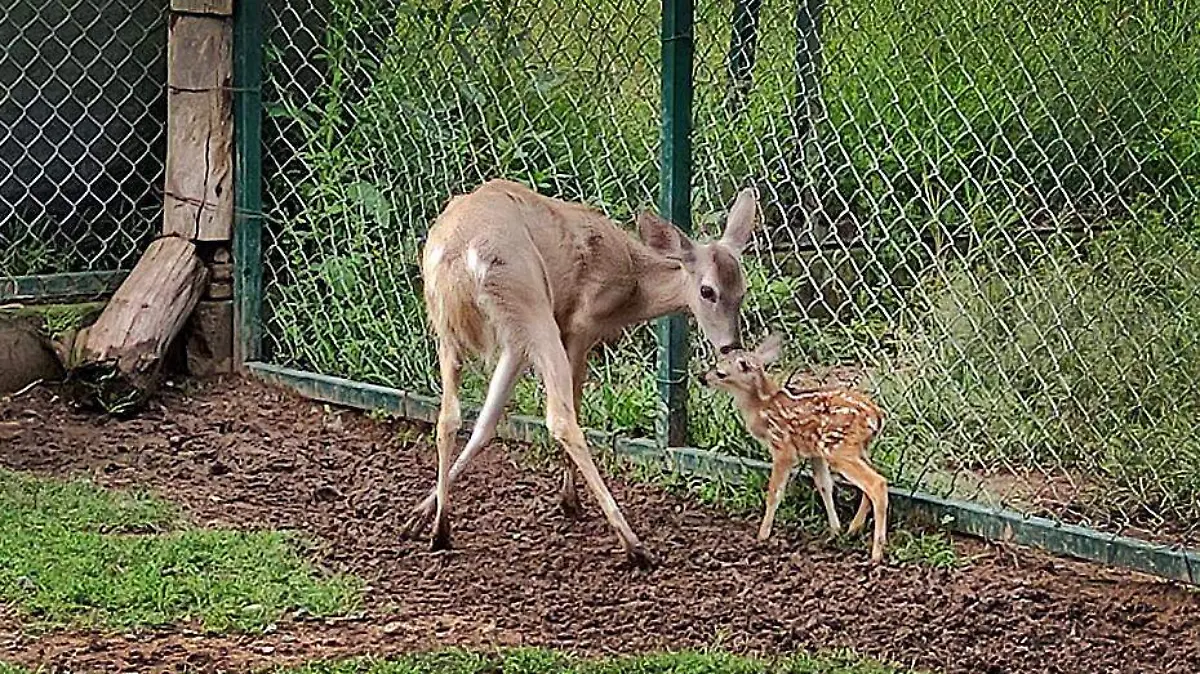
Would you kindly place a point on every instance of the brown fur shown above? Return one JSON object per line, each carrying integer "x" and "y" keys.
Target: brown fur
{"x": 522, "y": 278}
{"x": 833, "y": 427}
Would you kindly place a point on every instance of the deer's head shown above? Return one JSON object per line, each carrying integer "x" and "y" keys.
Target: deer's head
{"x": 744, "y": 372}
{"x": 715, "y": 282}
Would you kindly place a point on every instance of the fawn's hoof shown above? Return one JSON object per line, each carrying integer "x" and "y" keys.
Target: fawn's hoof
{"x": 638, "y": 558}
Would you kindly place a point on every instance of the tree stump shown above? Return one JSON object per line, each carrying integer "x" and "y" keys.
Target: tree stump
{"x": 120, "y": 357}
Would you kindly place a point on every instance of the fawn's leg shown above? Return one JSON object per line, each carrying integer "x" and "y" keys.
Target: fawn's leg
{"x": 781, "y": 471}
{"x": 872, "y": 484}
{"x": 824, "y": 483}
{"x": 860, "y": 517}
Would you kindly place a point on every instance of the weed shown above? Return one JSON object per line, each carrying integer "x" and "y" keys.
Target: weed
{"x": 927, "y": 549}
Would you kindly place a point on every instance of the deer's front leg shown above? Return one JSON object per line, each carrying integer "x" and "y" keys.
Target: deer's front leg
{"x": 781, "y": 470}
{"x": 554, "y": 367}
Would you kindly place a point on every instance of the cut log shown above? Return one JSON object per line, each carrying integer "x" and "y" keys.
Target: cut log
{"x": 121, "y": 356}
{"x": 25, "y": 356}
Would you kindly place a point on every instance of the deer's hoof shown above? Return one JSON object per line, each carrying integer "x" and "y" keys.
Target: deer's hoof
{"x": 570, "y": 506}
{"x": 638, "y": 558}
{"x": 441, "y": 536}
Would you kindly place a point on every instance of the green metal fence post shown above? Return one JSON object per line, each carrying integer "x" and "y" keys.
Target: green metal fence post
{"x": 247, "y": 224}
{"x": 675, "y": 203}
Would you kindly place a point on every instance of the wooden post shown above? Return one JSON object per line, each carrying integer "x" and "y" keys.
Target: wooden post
{"x": 119, "y": 360}
{"x": 199, "y": 192}
{"x": 199, "y": 185}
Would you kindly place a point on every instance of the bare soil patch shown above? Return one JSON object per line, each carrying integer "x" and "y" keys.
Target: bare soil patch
{"x": 238, "y": 453}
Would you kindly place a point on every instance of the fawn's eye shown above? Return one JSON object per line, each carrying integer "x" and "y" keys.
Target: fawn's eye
{"x": 744, "y": 365}
{"x": 721, "y": 375}
{"x": 708, "y": 294}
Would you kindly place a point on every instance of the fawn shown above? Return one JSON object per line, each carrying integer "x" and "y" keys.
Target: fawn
{"x": 831, "y": 426}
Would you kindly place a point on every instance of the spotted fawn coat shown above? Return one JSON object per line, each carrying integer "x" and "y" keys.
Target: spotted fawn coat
{"x": 831, "y": 426}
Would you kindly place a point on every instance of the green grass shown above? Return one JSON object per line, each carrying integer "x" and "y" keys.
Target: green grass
{"x": 71, "y": 553}
{"x": 536, "y": 661}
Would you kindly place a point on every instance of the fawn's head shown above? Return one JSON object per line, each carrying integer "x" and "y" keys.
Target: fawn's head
{"x": 715, "y": 282}
{"x": 744, "y": 372}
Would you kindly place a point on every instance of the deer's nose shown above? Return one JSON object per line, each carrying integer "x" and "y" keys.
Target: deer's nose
{"x": 734, "y": 346}
{"x": 703, "y": 379}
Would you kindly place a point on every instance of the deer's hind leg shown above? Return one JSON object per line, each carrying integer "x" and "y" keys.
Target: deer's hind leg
{"x": 504, "y": 378}
{"x": 577, "y": 352}
{"x": 448, "y": 423}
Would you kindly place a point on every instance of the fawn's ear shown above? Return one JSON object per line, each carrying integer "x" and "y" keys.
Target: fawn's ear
{"x": 770, "y": 349}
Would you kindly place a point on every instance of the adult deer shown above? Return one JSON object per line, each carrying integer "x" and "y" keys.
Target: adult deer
{"x": 520, "y": 278}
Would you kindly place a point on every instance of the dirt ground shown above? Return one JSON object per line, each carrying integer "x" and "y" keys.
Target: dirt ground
{"x": 238, "y": 453}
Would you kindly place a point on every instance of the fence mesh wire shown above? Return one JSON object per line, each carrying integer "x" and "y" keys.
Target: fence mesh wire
{"x": 82, "y": 133}
{"x": 984, "y": 213}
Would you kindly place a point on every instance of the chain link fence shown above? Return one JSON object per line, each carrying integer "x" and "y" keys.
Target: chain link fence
{"x": 984, "y": 213}
{"x": 82, "y": 133}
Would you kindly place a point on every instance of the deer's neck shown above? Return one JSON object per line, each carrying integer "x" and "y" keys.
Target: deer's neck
{"x": 662, "y": 285}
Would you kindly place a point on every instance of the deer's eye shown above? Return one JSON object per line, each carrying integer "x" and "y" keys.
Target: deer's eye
{"x": 744, "y": 365}
{"x": 721, "y": 375}
{"x": 708, "y": 294}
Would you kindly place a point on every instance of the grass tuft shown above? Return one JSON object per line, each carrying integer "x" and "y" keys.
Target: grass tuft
{"x": 72, "y": 553}
{"x": 539, "y": 661}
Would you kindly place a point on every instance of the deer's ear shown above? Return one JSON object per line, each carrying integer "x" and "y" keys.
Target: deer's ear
{"x": 770, "y": 350}
{"x": 743, "y": 218}
{"x": 664, "y": 237}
